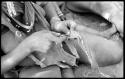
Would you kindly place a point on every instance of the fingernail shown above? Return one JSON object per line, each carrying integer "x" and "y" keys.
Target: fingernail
{"x": 56, "y": 34}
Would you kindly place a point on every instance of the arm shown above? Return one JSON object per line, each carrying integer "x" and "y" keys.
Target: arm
{"x": 13, "y": 58}
{"x": 39, "y": 41}
{"x": 50, "y": 10}
{"x": 52, "y": 15}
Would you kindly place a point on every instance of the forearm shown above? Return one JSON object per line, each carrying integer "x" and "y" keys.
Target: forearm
{"x": 50, "y": 10}
{"x": 13, "y": 58}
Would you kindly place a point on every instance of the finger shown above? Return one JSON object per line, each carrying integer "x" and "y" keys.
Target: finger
{"x": 58, "y": 39}
{"x": 56, "y": 34}
{"x": 65, "y": 30}
{"x": 71, "y": 24}
{"x": 61, "y": 38}
{"x": 62, "y": 28}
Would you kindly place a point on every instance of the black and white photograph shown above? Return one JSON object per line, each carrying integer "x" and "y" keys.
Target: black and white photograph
{"x": 62, "y": 39}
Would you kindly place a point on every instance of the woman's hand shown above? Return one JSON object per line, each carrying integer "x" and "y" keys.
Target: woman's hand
{"x": 42, "y": 40}
{"x": 62, "y": 26}
{"x": 38, "y": 41}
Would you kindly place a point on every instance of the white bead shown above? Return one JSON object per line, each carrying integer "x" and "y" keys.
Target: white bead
{"x": 28, "y": 31}
{"x": 18, "y": 34}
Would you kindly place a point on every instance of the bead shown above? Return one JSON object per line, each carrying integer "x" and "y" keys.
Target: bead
{"x": 63, "y": 61}
{"x": 29, "y": 30}
{"x": 17, "y": 26}
{"x": 18, "y": 33}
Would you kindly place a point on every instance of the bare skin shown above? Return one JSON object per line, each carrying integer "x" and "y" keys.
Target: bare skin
{"x": 97, "y": 41}
{"x": 116, "y": 57}
{"x": 107, "y": 52}
{"x": 31, "y": 71}
{"x": 103, "y": 53}
{"x": 10, "y": 47}
{"x": 112, "y": 11}
{"x": 27, "y": 47}
{"x": 9, "y": 43}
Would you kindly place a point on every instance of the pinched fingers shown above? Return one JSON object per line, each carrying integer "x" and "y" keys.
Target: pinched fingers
{"x": 71, "y": 24}
{"x": 57, "y": 37}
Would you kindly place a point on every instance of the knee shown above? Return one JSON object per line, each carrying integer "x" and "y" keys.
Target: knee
{"x": 107, "y": 52}
{"x": 117, "y": 55}
{"x": 116, "y": 52}
{"x": 110, "y": 55}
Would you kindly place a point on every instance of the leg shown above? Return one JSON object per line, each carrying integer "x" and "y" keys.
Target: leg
{"x": 107, "y": 52}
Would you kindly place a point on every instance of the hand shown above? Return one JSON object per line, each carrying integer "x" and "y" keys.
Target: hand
{"x": 41, "y": 41}
{"x": 62, "y": 26}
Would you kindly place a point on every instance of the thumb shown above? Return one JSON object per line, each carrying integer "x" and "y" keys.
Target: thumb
{"x": 61, "y": 38}
{"x": 62, "y": 28}
{"x": 65, "y": 30}
{"x": 58, "y": 39}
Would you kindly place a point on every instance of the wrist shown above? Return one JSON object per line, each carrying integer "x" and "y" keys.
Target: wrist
{"x": 26, "y": 44}
{"x": 14, "y": 57}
